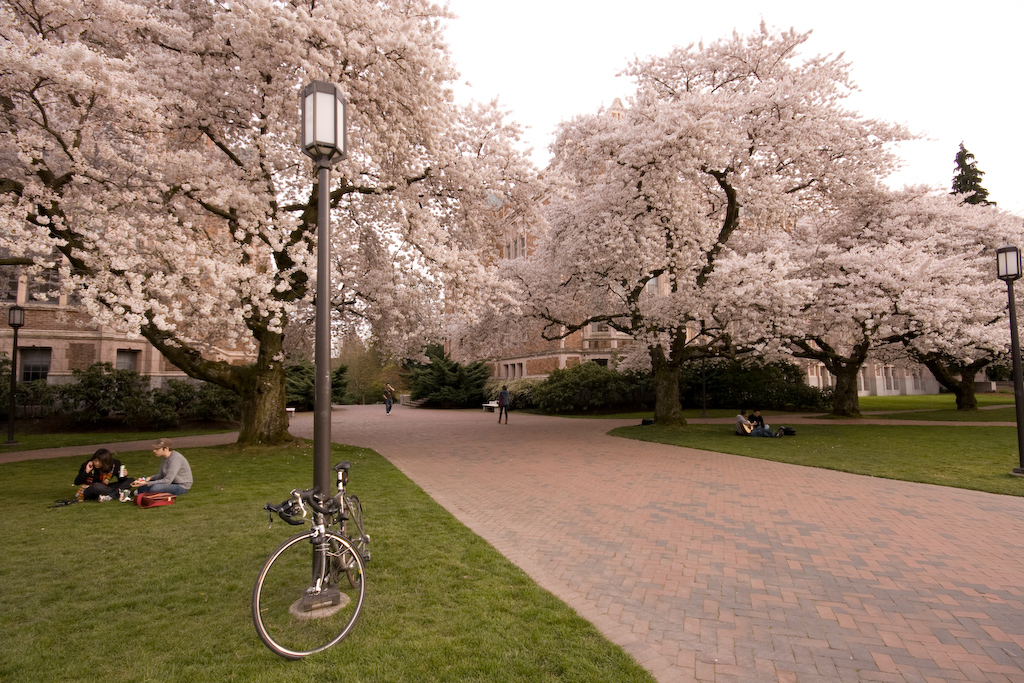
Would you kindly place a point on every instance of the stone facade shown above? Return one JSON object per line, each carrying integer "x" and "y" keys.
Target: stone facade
{"x": 58, "y": 338}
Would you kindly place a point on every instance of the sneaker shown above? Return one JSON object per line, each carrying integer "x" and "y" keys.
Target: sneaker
{"x": 104, "y": 499}
{"x": 125, "y": 496}
{"x": 780, "y": 431}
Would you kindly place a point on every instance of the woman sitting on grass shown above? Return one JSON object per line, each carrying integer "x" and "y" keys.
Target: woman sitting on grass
{"x": 101, "y": 477}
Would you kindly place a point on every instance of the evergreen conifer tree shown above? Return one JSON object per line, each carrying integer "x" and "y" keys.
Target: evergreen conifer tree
{"x": 967, "y": 181}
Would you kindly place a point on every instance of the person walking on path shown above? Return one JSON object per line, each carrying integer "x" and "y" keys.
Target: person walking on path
{"x": 175, "y": 475}
{"x": 389, "y": 398}
{"x": 503, "y": 401}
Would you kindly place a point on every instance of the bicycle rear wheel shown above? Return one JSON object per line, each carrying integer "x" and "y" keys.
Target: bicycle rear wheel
{"x": 299, "y": 605}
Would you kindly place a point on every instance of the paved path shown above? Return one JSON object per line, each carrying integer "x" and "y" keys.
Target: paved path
{"x": 713, "y": 567}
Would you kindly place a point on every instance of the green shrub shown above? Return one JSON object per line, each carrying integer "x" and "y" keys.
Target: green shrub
{"x": 300, "y": 385}
{"x": 185, "y": 399}
{"x": 37, "y": 398}
{"x": 446, "y": 383}
{"x": 100, "y": 391}
{"x": 5, "y": 383}
{"x": 750, "y": 383}
{"x": 520, "y": 391}
{"x": 213, "y": 402}
{"x": 159, "y": 411}
{"x": 589, "y": 387}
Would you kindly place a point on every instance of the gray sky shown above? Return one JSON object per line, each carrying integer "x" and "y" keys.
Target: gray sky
{"x": 947, "y": 76}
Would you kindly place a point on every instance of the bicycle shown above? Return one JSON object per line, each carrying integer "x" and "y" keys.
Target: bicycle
{"x": 310, "y": 591}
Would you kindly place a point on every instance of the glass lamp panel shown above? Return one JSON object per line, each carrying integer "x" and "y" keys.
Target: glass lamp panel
{"x": 1008, "y": 263}
{"x": 325, "y": 120}
{"x": 308, "y": 116}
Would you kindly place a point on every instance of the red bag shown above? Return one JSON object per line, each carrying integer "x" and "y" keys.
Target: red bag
{"x": 152, "y": 500}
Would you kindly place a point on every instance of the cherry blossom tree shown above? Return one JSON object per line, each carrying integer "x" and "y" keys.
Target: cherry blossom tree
{"x": 741, "y": 136}
{"x": 150, "y": 152}
{"x": 955, "y": 307}
{"x": 912, "y": 269}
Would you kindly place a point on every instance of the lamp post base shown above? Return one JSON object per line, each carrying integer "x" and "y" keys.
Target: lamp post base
{"x": 1018, "y": 472}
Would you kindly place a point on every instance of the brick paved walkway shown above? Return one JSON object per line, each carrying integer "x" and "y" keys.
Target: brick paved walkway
{"x": 712, "y": 567}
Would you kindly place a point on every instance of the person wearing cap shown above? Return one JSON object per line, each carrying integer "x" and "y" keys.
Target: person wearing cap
{"x": 175, "y": 475}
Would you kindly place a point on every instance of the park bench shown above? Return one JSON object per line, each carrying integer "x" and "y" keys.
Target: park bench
{"x": 491, "y": 406}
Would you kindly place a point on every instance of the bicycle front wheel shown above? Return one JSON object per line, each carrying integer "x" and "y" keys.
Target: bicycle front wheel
{"x": 299, "y": 605}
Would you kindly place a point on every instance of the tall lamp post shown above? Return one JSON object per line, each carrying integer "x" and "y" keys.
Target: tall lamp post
{"x": 16, "y": 319}
{"x": 323, "y": 139}
{"x": 1008, "y": 269}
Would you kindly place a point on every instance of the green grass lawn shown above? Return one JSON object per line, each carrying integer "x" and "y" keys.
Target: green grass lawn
{"x": 107, "y": 591}
{"x": 928, "y": 407}
{"x": 28, "y": 442}
{"x": 928, "y": 402}
{"x": 1007, "y": 414}
{"x": 969, "y": 457}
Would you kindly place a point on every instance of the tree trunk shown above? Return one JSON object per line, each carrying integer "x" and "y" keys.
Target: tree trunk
{"x": 958, "y": 379}
{"x": 260, "y": 385}
{"x": 668, "y": 411}
{"x": 264, "y": 418}
{"x": 964, "y": 392}
{"x": 845, "y": 401}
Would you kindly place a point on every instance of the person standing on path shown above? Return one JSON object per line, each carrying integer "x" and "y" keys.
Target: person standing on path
{"x": 503, "y": 401}
{"x": 389, "y": 398}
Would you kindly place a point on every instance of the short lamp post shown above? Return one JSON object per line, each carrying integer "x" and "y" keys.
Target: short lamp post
{"x": 16, "y": 320}
{"x": 1008, "y": 269}
{"x": 324, "y": 122}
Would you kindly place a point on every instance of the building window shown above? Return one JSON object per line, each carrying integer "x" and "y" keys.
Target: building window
{"x": 9, "y": 278}
{"x": 522, "y": 246}
{"x": 10, "y": 284}
{"x": 128, "y": 359}
{"x": 35, "y": 364}
{"x": 44, "y": 288}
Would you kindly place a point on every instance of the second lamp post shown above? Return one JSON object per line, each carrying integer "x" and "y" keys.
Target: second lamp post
{"x": 1008, "y": 269}
{"x": 16, "y": 320}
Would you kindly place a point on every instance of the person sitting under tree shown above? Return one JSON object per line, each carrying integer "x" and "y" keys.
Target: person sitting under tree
{"x": 744, "y": 427}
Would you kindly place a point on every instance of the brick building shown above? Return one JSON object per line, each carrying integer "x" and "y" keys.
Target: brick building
{"x": 58, "y": 337}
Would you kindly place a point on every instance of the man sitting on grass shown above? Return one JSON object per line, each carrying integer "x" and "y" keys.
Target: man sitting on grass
{"x": 745, "y": 428}
{"x": 175, "y": 475}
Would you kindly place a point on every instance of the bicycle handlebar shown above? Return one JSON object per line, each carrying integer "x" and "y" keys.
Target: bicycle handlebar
{"x": 294, "y": 512}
